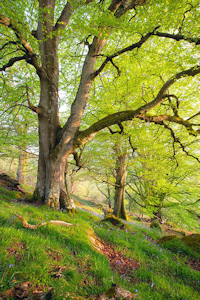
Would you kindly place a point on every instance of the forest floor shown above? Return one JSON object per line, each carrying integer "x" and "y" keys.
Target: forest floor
{"x": 90, "y": 259}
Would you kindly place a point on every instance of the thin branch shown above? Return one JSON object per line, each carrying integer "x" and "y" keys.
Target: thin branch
{"x": 195, "y": 115}
{"x": 160, "y": 120}
{"x": 12, "y": 107}
{"x": 135, "y": 200}
{"x": 114, "y": 65}
{"x": 33, "y": 108}
{"x": 178, "y": 37}
{"x": 130, "y": 143}
{"x": 174, "y": 108}
{"x": 120, "y": 127}
{"x": 177, "y": 140}
{"x": 116, "y": 54}
{"x": 186, "y": 152}
{"x": 101, "y": 191}
{"x": 184, "y": 16}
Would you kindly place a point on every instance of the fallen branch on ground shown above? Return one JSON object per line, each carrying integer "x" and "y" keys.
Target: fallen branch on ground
{"x": 30, "y": 226}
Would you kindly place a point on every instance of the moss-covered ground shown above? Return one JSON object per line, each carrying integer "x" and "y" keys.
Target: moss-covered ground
{"x": 65, "y": 261}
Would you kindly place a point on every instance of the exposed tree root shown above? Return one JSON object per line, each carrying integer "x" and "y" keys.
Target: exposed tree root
{"x": 30, "y": 226}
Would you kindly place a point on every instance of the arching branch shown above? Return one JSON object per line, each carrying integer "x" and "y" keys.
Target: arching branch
{"x": 13, "y": 60}
{"x": 128, "y": 115}
{"x": 8, "y": 43}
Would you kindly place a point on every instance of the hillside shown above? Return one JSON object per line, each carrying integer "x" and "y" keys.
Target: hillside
{"x": 91, "y": 259}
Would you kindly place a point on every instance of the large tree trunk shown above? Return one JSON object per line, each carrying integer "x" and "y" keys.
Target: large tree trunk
{"x": 57, "y": 144}
{"x": 55, "y": 192}
{"x": 109, "y": 196}
{"x": 119, "y": 204}
{"x": 50, "y": 186}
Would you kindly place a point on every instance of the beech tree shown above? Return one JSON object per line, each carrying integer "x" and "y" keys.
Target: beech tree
{"x": 37, "y": 33}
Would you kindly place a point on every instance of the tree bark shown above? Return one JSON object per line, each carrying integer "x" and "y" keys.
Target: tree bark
{"x": 21, "y": 170}
{"x": 119, "y": 204}
{"x": 57, "y": 144}
{"x": 109, "y": 196}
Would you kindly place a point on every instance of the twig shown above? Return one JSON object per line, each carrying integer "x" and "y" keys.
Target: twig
{"x": 49, "y": 248}
{"x": 3, "y": 276}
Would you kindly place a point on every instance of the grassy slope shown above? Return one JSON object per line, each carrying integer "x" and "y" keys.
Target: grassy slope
{"x": 64, "y": 259}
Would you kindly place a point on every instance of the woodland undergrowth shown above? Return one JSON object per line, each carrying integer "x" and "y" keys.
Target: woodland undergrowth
{"x": 64, "y": 261}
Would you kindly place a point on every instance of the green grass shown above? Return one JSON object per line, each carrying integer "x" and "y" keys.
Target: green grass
{"x": 64, "y": 259}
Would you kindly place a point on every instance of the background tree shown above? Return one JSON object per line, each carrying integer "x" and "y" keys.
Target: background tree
{"x": 161, "y": 179}
{"x": 18, "y": 135}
